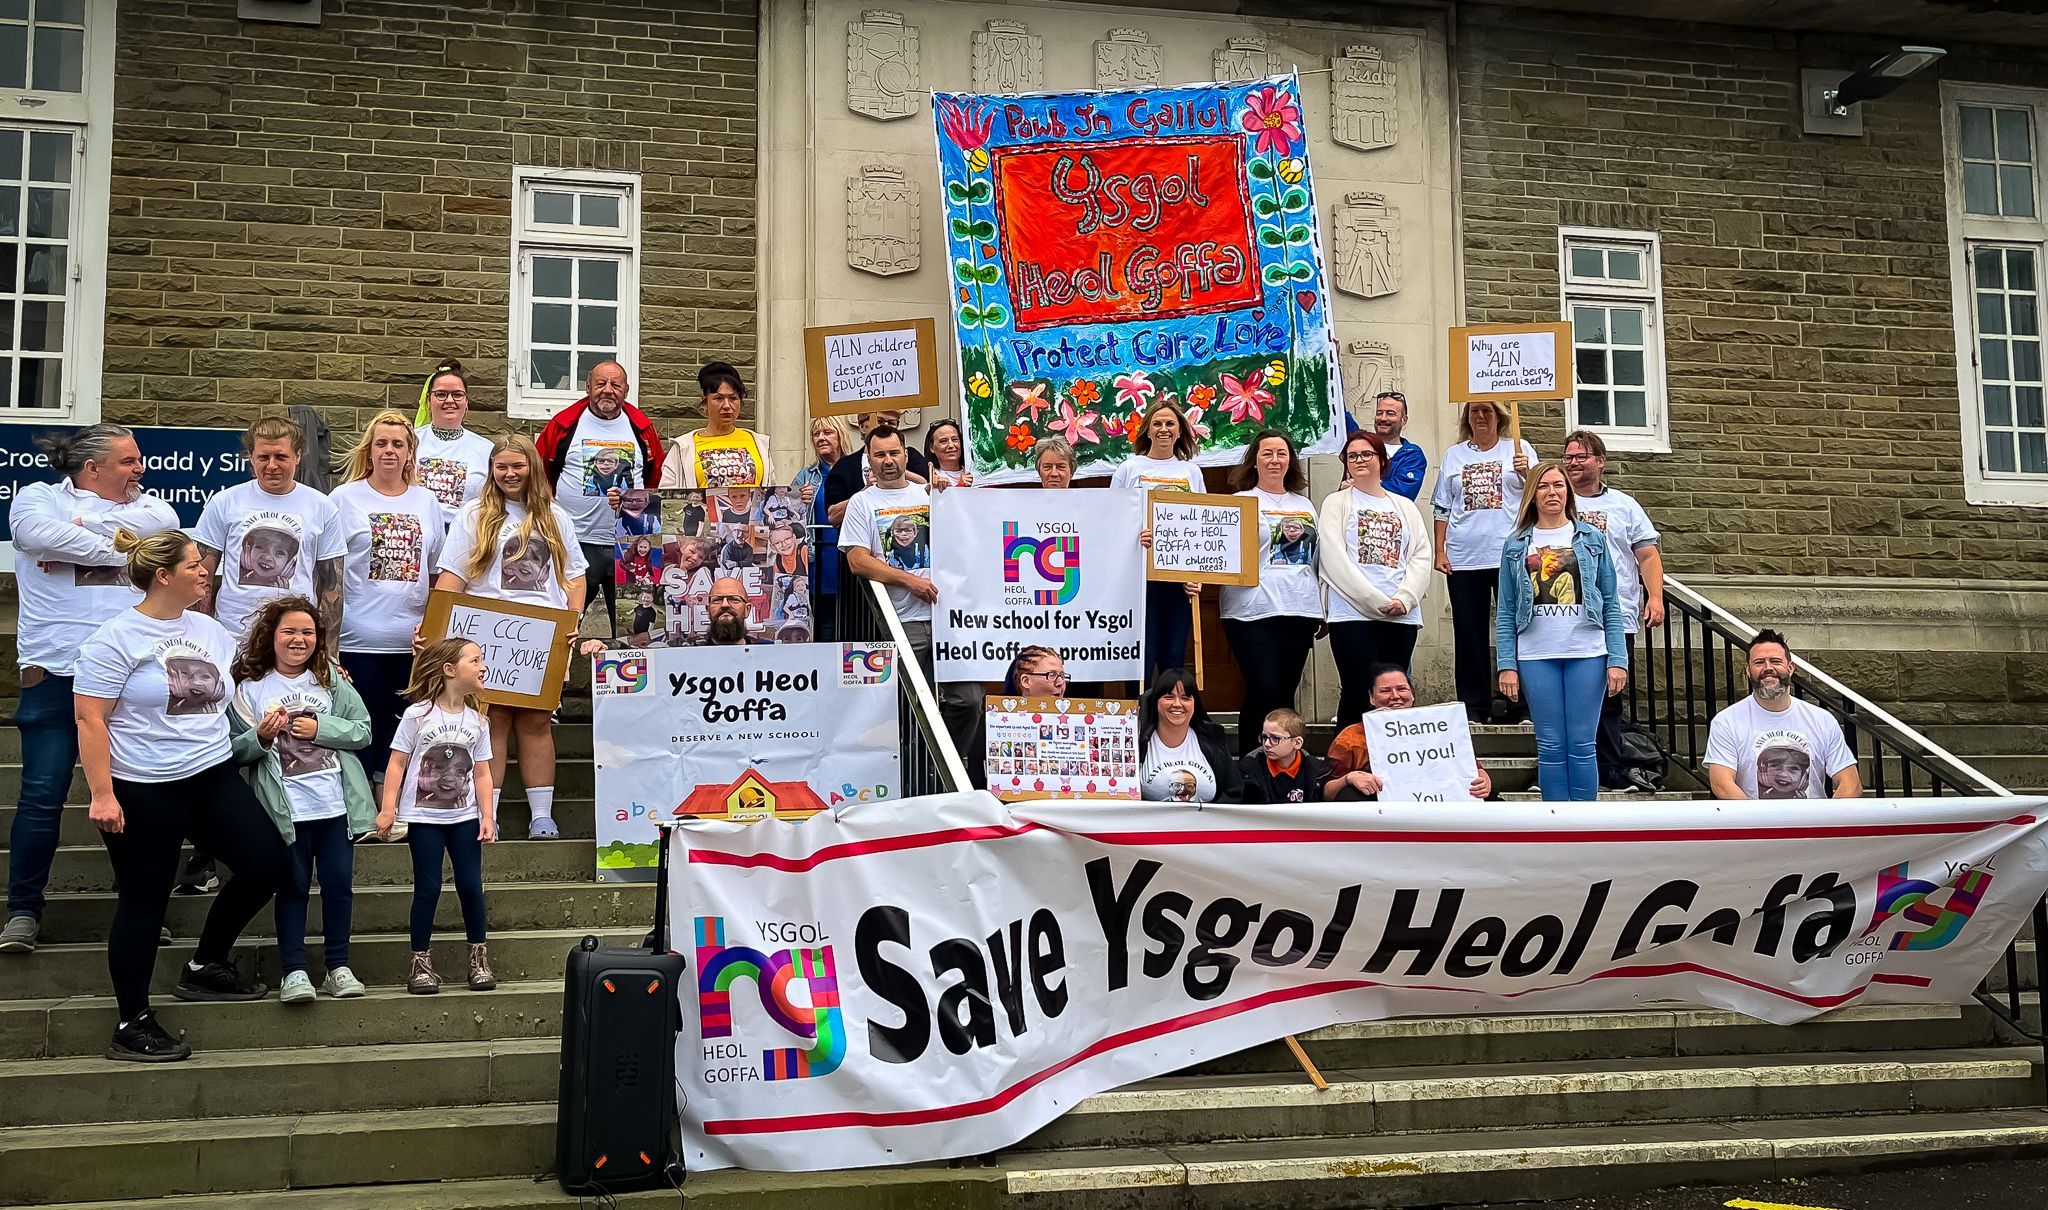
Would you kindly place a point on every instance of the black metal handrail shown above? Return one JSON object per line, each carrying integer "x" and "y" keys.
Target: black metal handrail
{"x": 1688, "y": 670}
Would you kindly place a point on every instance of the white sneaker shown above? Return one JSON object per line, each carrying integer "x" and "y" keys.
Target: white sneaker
{"x": 297, "y": 989}
{"x": 341, "y": 983}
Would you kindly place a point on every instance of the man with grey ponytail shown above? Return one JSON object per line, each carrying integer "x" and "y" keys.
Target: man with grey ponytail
{"x": 70, "y": 579}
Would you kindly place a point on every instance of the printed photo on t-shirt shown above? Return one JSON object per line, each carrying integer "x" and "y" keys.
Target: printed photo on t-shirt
{"x": 1783, "y": 771}
{"x": 1180, "y": 785}
{"x": 1482, "y": 484}
{"x": 1595, "y": 518}
{"x": 523, "y": 568}
{"x": 86, "y": 576}
{"x": 301, "y": 757}
{"x": 1554, "y": 570}
{"x": 194, "y": 683}
{"x": 607, "y": 466}
{"x": 445, "y": 776}
{"x": 1379, "y": 538}
{"x": 1166, "y": 483}
{"x": 396, "y": 544}
{"x": 1293, "y": 540}
{"x": 445, "y": 477}
{"x": 727, "y": 466}
{"x": 269, "y": 558}
{"x": 906, "y": 537}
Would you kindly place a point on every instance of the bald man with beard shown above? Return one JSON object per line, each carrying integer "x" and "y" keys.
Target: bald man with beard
{"x": 728, "y": 614}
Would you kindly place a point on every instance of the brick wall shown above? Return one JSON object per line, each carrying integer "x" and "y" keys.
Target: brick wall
{"x": 1808, "y": 332}
{"x": 313, "y": 215}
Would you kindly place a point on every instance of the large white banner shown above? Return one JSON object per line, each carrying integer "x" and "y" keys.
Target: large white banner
{"x": 756, "y": 730}
{"x": 1060, "y": 569}
{"x": 940, "y": 977}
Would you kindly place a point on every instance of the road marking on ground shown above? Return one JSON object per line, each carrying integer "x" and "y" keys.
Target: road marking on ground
{"x": 1743, "y": 1203}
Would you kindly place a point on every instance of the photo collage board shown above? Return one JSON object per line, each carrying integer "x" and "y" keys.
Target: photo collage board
{"x": 675, "y": 543}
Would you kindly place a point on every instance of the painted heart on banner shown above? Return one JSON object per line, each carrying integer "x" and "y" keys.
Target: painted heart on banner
{"x": 1009, "y": 703}
{"x": 1113, "y": 707}
{"x": 1036, "y": 719}
{"x": 1306, "y": 299}
{"x": 1088, "y": 718}
{"x": 1061, "y": 705}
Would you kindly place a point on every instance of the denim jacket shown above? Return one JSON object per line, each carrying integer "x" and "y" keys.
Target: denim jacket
{"x": 1518, "y": 595}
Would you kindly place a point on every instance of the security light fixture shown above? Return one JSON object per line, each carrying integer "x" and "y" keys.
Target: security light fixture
{"x": 1880, "y": 77}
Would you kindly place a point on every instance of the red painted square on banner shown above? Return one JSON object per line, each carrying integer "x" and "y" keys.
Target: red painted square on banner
{"x": 1094, "y": 232}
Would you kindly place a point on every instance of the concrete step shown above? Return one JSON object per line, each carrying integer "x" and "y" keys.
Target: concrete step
{"x": 459, "y": 1148}
{"x": 2029, "y": 972}
{"x": 381, "y": 960}
{"x": 1978, "y": 739}
{"x": 575, "y": 815}
{"x": 512, "y": 906}
{"x": 218, "y": 1084}
{"x": 85, "y": 868}
{"x": 1609, "y": 796}
{"x": 2021, "y": 773}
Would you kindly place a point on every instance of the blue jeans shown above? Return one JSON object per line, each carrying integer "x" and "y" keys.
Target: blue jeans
{"x": 466, "y": 856}
{"x": 49, "y": 756}
{"x": 1564, "y": 699}
{"x": 321, "y": 846}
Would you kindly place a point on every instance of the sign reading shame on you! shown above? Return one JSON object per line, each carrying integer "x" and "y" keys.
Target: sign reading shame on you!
{"x": 970, "y": 972}
{"x": 1112, "y": 249}
{"x": 1037, "y": 568}
{"x": 525, "y": 652}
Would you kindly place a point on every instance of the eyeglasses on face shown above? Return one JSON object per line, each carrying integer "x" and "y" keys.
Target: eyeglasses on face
{"x": 728, "y": 600}
{"x": 1057, "y": 678}
{"x": 1267, "y": 737}
{"x": 1359, "y": 456}
{"x": 1579, "y": 457}
{"x": 446, "y": 395}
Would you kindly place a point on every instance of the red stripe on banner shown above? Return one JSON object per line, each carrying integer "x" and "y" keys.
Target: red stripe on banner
{"x": 1908, "y": 980}
{"x": 990, "y": 1104}
{"x": 859, "y": 848}
{"x": 1546, "y": 836}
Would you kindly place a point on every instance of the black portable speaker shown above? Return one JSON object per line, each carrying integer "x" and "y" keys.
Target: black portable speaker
{"x": 618, "y": 1127}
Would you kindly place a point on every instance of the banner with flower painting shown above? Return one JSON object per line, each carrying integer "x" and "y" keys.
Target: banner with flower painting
{"x": 1111, "y": 249}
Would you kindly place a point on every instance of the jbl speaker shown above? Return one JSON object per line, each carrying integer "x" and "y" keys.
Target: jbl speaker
{"x": 618, "y": 1127}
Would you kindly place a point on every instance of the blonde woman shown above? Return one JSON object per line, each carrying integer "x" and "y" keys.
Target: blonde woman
{"x": 1474, "y": 504}
{"x": 394, "y": 528}
{"x": 514, "y": 543}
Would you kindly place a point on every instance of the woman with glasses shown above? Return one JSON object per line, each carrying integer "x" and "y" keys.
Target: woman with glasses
{"x": 1036, "y": 672}
{"x": 451, "y": 461}
{"x": 1375, "y": 562}
{"x": 1474, "y": 503}
{"x": 1272, "y": 625}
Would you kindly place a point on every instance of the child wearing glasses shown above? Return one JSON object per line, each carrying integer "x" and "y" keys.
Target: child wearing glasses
{"x": 1282, "y": 770}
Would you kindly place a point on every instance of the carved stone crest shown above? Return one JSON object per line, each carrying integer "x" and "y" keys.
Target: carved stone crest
{"x": 1363, "y": 110}
{"x": 1126, "y": 57}
{"x": 881, "y": 65}
{"x": 1008, "y": 58}
{"x": 882, "y": 229}
{"x": 1369, "y": 367}
{"x": 1368, "y": 236}
{"x": 1244, "y": 59}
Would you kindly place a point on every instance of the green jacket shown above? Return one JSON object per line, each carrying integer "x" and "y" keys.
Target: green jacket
{"x": 344, "y": 729}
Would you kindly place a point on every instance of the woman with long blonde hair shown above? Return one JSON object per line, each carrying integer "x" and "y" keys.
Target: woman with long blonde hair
{"x": 394, "y": 528}
{"x": 1477, "y": 485}
{"x": 514, "y": 543}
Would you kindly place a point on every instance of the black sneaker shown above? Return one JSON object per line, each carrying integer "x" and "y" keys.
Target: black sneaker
{"x": 217, "y": 981}
{"x": 144, "y": 1040}
{"x": 199, "y": 877}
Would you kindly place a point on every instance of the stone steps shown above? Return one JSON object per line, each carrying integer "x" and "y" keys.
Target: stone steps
{"x": 84, "y": 867}
{"x": 574, "y": 814}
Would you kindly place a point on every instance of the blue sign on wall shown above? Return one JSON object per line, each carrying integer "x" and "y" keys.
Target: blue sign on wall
{"x": 184, "y": 466}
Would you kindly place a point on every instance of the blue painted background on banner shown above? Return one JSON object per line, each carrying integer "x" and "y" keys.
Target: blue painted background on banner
{"x": 184, "y": 466}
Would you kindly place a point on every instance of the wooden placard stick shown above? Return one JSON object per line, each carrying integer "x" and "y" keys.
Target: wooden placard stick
{"x": 1301, "y": 1056}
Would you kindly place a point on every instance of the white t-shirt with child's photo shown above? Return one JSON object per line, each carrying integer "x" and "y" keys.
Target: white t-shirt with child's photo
{"x": 600, "y": 456}
{"x": 1179, "y": 774}
{"x": 312, "y": 774}
{"x": 389, "y": 568}
{"x": 894, "y": 525}
{"x": 269, "y": 546}
{"x": 523, "y": 572}
{"x": 445, "y": 750}
{"x": 1789, "y": 753}
{"x": 169, "y": 684}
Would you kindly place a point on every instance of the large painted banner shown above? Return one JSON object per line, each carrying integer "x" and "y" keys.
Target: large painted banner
{"x": 1109, "y": 249}
{"x": 941, "y": 977}
{"x": 782, "y": 730}
{"x": 1048, "y": 568}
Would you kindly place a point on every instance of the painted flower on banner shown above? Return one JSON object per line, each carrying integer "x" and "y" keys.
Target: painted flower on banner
{"x": 1195, "y": 415}
{"x": 1135, "y": 389}
{"x": 1021, "y": 438}
{"x": 1077, "y": 427}
{"x": 1245, "y": 400}
{"x": 980, "y": 385}
{"x": 1201, "y": 395}
{"x": 1274, "y": 119}
{"x": 1085, "y": 393}
{"x": 1030, "y": 397}
{"x": 1134, "y": 428}
{"x": 968, "y": 126}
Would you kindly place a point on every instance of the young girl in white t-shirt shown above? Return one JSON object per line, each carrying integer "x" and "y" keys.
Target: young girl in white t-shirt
{"x": 439, "y": 783}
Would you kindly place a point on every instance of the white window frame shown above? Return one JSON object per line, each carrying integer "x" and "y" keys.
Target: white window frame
{"x": 1655, "y": 437}
{"x": 1980, "y": 485}
{"x": 530, "y": 238}
{"x": 89, "y": 117}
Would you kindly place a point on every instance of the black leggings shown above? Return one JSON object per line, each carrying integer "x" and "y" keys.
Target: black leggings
{"x": 219, "y": 814}
{"x": 604, "y": 570}
{"x": 1359, "y": 647}
{"x": 380, "y": 678}
{"x": 1270, "y": 653}
{"x": 1472, "y": 598}
{"x": 466, "y": 856}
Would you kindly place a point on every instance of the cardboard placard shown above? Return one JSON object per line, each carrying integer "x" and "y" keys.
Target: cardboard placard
{"x": 1203, "y": 539}
{"x": 1510, "y": 363}
{"x": 1423, "y": 754}
{"x": 524, "y": 655}
{"x": 1067, "y": 747}
{"x": 888, "y": 365}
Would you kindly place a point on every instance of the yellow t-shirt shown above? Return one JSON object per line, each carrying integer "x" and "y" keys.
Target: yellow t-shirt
{"x": 733, "y": 460}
